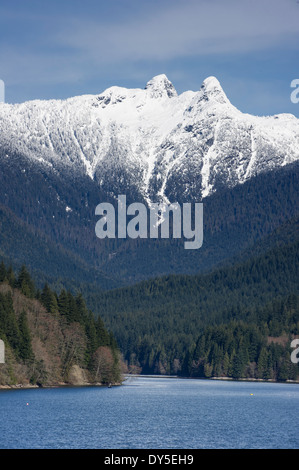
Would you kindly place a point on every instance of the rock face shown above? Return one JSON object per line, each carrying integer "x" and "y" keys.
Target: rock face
{"x": 150, "y": 142}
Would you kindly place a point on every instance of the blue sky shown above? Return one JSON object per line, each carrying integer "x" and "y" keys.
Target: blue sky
{"x": 57, "y": 49}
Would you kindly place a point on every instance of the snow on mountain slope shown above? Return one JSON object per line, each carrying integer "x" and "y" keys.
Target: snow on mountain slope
{"x": 168, "y": 146}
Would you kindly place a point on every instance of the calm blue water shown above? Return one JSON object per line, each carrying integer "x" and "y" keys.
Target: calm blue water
{"x": 152, "y": 413}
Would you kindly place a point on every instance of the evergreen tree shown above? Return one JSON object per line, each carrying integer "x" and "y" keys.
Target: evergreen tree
{"x": 284, "y": 367}
{"x": 49, "y": 300}
{"x": 238, "y": 366}
{"x": 187, "y": 364}
{"x": 10, "y": 275}
{"x": 63, "y": 304}
{"x": 103, "y": 337}
{"x": 225, "y": 364}
{"x": 25, "y": 283}
{"x": 82, "y": 310}
{"x": 73, "y": 314}
{"x": 8, "y": 322}
{"x": 262, "y": 365}
{"x": 208, "y": 370}
{"x": 3, "y": 272}
{"x": 24, "y": 348}
{"x": 91, "y": 334}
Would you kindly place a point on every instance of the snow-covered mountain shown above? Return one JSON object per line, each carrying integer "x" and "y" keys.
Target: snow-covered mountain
{"x": 164, "y": 145}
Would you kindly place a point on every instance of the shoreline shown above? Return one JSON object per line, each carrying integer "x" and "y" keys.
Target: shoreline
{"x": 242, "y": 379}
{"x": 59, "y": 385}
{"x": 128, "y": 376}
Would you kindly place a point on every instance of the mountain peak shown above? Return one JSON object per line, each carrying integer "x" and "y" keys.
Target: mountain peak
{"x": 164, "y": 146}
{"x": 212, "y": 90}
{"x": 160, "y": 86}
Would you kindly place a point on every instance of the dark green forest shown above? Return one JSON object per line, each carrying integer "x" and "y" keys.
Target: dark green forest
{"x": 225, "y": 323}
{"x": 222, "y": 310}
{"x": 36, "y": 230}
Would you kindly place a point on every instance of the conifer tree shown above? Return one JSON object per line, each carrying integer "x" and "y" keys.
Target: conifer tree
{"x": 91, "y": 334}
{"x": 225, "y": 364}
{"x": 25, "y": 283}
{"x": 73, "y": 314}
{"x": 8, "y": 322}
{"x": 24, "y": 348}
{"x": 63, "y": 304}
{"x": 3, "y": 272}
{"x": 48, "y": 299}
{"x": 102, "y": 334}
{"x": 82, "y": 310}
{"x": 10, "y": 275}
{"x": 262, "y": 364}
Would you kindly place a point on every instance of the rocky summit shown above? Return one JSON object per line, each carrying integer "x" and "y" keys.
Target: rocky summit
{"x": 151, "y": 142}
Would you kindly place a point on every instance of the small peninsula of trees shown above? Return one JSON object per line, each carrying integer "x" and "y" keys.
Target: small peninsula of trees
{"x": 49, "y": 337}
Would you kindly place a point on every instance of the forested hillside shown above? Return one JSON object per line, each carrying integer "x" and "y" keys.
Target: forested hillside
{"x": 249, "y": 259}
{"x": 203, "y": 325}
{"x": 52, "y": 339}
{"x": 49, "y": 220}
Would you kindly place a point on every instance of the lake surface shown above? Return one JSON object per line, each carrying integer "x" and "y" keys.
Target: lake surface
{"x": 152, "y": 413}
